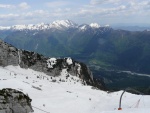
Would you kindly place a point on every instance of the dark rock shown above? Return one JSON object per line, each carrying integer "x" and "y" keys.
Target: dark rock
{"x": 13, "y": 101}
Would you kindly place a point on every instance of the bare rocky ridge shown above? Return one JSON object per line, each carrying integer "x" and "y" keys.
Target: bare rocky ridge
{"x": 13, "y": 101}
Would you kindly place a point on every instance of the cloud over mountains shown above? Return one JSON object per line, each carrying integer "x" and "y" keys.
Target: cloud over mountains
{"x": 101, "y": 11}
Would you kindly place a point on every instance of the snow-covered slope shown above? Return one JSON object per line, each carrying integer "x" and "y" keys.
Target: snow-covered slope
{"x": 60, "y": 24}
{"x": 66, "y": 94}
{"x": 95, "y": 25}
{"x": 84, "y": 27}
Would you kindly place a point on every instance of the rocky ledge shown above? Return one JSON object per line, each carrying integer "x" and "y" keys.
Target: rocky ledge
{"x": 13, "y": 101}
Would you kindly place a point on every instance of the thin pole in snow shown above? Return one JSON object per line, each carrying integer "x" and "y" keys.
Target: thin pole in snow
{"x": 129, "y": 89}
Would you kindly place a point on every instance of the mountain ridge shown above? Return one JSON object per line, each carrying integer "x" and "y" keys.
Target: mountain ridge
{"x": 50, "y": 66}
{"x": 58, "y": 24}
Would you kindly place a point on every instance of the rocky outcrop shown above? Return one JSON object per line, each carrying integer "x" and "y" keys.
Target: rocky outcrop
{"x": 13, "y": 101}
{"x": 10, "y": 55}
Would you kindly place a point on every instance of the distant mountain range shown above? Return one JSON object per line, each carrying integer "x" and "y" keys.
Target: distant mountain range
{"x": 59, "y": 24}
{"x": 100, "y": 47}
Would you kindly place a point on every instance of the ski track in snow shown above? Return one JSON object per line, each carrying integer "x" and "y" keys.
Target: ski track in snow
{"x": 69, "y": 96}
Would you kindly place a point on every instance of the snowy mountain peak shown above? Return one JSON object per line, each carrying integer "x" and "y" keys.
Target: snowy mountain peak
{"x": 63, "y": 23}
{"x": 21, "y": 27}
{"x": 95, "y": 25}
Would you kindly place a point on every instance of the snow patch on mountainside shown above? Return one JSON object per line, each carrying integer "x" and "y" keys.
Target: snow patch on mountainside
{"x": 69, "y": 61}
{"x": 51, "y": 62}
{"x": 83, "y": 27}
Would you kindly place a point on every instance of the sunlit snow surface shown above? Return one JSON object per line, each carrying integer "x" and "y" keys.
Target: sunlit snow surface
{"x": 95, "y": 25}
{"x": 69, "y": 96}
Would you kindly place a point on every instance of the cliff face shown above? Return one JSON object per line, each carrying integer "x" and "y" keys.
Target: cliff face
{"x": 10, "y": 55}
{"x": 13, "y": 101}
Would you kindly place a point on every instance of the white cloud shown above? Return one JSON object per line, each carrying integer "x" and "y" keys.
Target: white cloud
{"x": 96, "y": 2}
{"x": 67, "y": 9}
{"x": 104, "y": 10}
{"x": 58, "y": 10}
{"x": 7, "y": 6}
{"x": 9, "y": 16}
{"x": 23, "y": 16}
{"x": 139, "y": 7}
{"x": 40, "y": 12}
{"x": 24, "y": 5}
{"x": 114, "y": 8}
{"x": 101, "y": 11}
{"x": 35, "y": 14}
{"x": 56, "y": 4}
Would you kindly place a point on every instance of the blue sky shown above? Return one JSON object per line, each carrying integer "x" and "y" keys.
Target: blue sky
{"x": 113, "y": 12}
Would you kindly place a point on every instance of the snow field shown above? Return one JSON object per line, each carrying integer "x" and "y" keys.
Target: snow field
{"x": 68, "y": 95}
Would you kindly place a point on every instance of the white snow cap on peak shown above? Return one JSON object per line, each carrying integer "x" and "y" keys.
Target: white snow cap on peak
{"x": 65, "y": 23}
{"x": 20, "y": 27}
{"x": 95, "y": 25}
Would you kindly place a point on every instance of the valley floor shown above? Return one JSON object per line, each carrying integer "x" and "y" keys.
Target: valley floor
{"x": 70, "y": 96}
